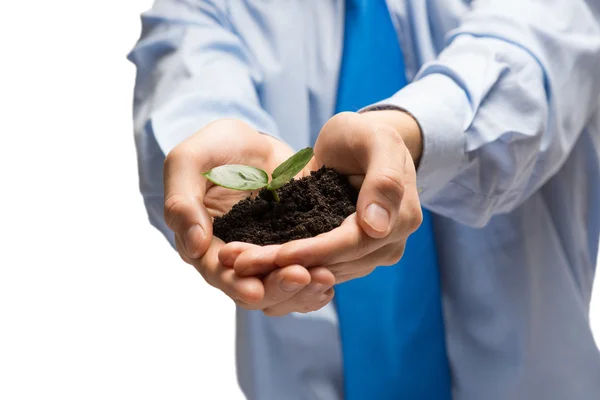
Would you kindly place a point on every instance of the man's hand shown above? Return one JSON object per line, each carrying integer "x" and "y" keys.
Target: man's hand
{"x": 374, "y": 151}
{"x": 191, "y": 202}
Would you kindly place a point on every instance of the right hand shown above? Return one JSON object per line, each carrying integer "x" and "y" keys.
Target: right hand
{"x": 191, "y": 202}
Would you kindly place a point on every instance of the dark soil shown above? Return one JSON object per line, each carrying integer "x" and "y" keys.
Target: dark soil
{"x": 308, "y": 206}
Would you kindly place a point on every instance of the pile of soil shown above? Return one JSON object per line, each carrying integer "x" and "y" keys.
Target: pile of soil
{"x": 308, "y": 207}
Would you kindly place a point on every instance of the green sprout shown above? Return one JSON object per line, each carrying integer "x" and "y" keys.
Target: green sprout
{"x": 244, "y": 177}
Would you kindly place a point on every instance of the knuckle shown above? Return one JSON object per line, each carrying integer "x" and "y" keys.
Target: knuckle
{"x": 317, "y": 303}
{"x": 395, "y": 255}
{"x": 389, "y": 183}
{"x": 384, "y": 131}
{"x": 306, "y": 308}
{"x": 175, "y": 208}
{"x": 305, "y": 299}
{"x": 274, "y": 296}
{"x": 337, "y": 124}
{"x": 315, "y": 306}
{"x": 169, "y": 159}
{"x": 181, "y": 151}
{"x": 304, "y": 304}
{"x": 412, "y": 217}
{"x": 279, "y": 310}
{"x": 362, "y": 248}
{"x": 269, "y": 312}
{"x": 361, "y": 273}
{"x": 246, "y": 306}
{"x": 369, "y": 270}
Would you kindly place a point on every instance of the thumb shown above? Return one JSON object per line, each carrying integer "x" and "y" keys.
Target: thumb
{"x": 383, "y": 188}
{"x": 184, "y": 210}
{"x": 221, "y": 142}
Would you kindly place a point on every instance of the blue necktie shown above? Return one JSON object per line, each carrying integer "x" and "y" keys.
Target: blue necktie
{"x": 391, "y": 323}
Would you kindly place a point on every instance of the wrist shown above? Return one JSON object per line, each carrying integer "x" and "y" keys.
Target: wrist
{"x": 406, "y": 126}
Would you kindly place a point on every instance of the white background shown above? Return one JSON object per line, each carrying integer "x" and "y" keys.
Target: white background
{"x": 93, "y": 302}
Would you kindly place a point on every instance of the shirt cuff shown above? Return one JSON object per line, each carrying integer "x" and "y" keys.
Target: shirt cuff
{"x": 441, "y": 108}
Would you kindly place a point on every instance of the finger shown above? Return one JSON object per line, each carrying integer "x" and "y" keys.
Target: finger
{"x": 304, "y": 306}
{"x": 410, "y": 215}
{"x": 230, "y": 252}
{"x": 284, "y": 283}
{"x": 313, "y": 297}
{"x": 247, "y": 289}
{"x": 280, "y": 285}
{"x": 257, "y": 260}
{"x": 344, "y": 243}
{"x": 184, "y": 212}
{"x": 386, "y": 256}
{"x": 382, "y": 190}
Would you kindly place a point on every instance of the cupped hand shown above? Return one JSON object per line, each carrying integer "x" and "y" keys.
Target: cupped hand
{"x": 376, "y": 150}
{"x": 191, "y": 202}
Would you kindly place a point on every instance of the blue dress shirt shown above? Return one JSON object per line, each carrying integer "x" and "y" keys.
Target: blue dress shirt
{"x": 507, "y": 96}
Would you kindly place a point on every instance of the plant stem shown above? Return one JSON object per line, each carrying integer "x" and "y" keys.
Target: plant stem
{"x": 275, "y": 195}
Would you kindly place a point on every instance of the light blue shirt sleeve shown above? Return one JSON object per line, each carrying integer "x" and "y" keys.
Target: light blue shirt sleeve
{"x": 193, "y": 69}
{"x": 503, "y": 104}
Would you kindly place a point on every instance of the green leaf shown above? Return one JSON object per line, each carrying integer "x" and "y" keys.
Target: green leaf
{"x": 290, "y": 168}
{"x": 238, "y": 177}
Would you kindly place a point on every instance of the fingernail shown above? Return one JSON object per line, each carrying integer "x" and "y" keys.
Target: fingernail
{"x": 316, "y": 288}
{"x": 290, "y": 286}
{"x": 192, "y": 238}
{"x": 377, "y": 217}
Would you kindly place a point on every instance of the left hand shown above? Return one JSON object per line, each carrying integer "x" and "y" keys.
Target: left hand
{"x": 376, "y": 151}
